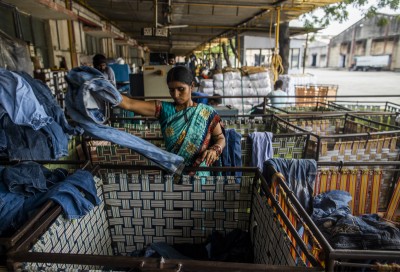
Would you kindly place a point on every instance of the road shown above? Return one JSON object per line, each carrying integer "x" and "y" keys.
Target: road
{"x": 360, "y": 83}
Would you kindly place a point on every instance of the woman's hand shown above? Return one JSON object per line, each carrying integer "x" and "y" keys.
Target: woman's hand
{"x": 209, "y": 156}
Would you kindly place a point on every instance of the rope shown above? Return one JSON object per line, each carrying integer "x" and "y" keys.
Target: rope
{"x": 276, "y": 60}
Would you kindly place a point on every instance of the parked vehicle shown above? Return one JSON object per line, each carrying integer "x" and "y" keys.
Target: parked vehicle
{"x": 366, "y": 63}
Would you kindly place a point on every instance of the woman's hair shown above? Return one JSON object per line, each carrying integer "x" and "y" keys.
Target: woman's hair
{"x": 181, "y": 74}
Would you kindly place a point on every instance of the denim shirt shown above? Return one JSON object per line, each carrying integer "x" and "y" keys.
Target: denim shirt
{"x": 20, "y": 102}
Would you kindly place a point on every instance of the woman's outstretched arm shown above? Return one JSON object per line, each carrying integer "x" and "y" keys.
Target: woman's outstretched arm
{"x": 144, "y": 108}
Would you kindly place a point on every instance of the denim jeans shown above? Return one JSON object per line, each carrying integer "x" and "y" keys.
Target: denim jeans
{"x": 3, "y": 139}
{"x": 261, "y": 148}
{"x": 330, "y": 206}
{"x": 29, "y": 178}
{"x": 232, "y": 153}
{"x": 20, "y": 102}
{"x": 360, "y": 232}
{"x": 299, "y": 175}
{"x": 50, "y": 105}
{"x": 87, "y": 93}
{"x": 68, "y": 195}
{"x": 10, "y": 207}
{"x": 25, "y": 143}
{"x": 344, "y": 231}
{"x": 25, "y": 178}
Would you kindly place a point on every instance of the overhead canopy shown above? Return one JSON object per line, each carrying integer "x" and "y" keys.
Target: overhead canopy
{"x": 44, "y": 9}
{"x": 191, "y": 23}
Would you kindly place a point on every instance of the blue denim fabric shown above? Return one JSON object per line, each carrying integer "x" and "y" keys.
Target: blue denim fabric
{"x": 330, "y": 206}
{"x": 67, "y": 195}
{"x": 299, "y": 175}
{"x": 29, "y": 178}
{"x": 344, "y": 231}
{"x": 200, "y": 99}
{"x": 87, "y": 92}
{"x": 88, "y": 88}
{"x": 58, "y": 140}
{"x": 10, "y": 206}
{"x": 3, "y": 139}
{"x": 20, "y": 102}
{"x": 261, "y": 148}
{"x": 232, "y": 153}
{"x": 24, "y": 143}
{"x": 167, "y": 251}
{"x": 25, "y": 178}
{"x": 49, "y": 103}
{"x": 364, "y": 232}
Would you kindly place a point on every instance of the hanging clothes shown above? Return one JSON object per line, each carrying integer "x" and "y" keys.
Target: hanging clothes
{"x": 299, "y": 175}
{"x": 261, "y": 148}
{"x": 232, "y": 153}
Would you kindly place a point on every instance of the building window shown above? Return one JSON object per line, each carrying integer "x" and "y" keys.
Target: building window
{"x": 92, "y": 44}
{"x": 258, "y": 57}
{"x": 294, "y": 57}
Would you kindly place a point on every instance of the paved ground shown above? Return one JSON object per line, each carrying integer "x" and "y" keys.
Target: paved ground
{"x": 361, "y": 83}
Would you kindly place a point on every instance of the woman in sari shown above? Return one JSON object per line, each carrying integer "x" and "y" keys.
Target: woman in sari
{"x": 190, "y": 130}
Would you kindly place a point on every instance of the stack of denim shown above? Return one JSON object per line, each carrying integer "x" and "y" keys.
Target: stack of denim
{"x": 33, "y": 124}
{"x": 87, "y": 100}
{"x": 344, "y": 231}
{"x": 25, "y": 187}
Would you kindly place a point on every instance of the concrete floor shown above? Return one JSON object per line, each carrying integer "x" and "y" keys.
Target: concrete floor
{"x": 360, "y": 83}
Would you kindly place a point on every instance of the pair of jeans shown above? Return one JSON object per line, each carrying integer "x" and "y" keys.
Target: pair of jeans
{"x": 29, "y": 178}
{"x": 76, "y": 195}
{"x": 88, "y": 91}
{"x": 20, "y": 102}
{"x": 232, "y": 153}
{"x": 261, "y": 148}
{"x": 364, "y": 232}
{"x": 330, "y": 206}
{"x": 49, "y": 103}
{"x": 299, "y": 175}
{"x": 25, "y": 178}
{"x": 59, "y": 130}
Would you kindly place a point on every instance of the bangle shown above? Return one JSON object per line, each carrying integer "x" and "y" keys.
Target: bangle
{"x": 217, "y": 148}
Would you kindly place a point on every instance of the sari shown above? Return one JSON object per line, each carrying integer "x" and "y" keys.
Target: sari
{"x": 187, "y": 133}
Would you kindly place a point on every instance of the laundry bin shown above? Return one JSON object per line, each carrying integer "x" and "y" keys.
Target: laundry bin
{"x": 141, "y": 209}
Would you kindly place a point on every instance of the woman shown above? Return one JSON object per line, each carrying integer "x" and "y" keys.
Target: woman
{"x": 190, "y": 130}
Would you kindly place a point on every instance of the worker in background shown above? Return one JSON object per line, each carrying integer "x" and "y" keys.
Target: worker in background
{"x": 171, "y": 59}
{"x": 100, "y": 63}
{"x": 278, "y": 97}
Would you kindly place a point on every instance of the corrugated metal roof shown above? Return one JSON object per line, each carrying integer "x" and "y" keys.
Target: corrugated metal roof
{"x": 192, "y": 23}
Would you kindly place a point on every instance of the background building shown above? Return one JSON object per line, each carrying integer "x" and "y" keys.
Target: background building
{"x": 376, "y": 36}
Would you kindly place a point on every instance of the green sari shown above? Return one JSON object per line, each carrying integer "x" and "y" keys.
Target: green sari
{"x": 187, "y": 133}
